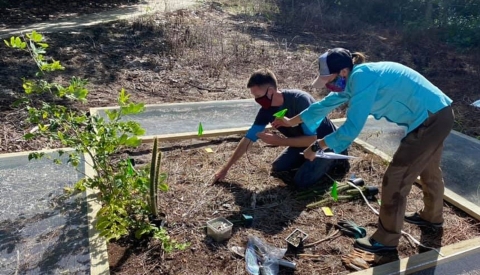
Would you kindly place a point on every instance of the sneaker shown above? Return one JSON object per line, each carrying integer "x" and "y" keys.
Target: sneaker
{"x": 370, "y": 245}
{"x": 414, "y": 218}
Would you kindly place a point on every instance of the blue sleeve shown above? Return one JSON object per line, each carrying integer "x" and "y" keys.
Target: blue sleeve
{"x": 364, "y": 91}
{"x": 307, "y": 131}
{"x": 313, "y": 115}
{"x": 253, "y": 131}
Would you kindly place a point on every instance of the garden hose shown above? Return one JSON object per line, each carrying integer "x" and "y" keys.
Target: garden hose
{"x": 403, "y": 232}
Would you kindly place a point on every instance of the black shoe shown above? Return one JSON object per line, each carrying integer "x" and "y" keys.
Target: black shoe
{"x": 414, "y": 218}
{"x": 370, "y": 245}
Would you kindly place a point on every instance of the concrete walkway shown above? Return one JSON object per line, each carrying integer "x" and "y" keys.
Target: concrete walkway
{"x": 127, "y": 12}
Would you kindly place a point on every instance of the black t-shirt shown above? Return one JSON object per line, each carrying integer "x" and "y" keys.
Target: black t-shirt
{"x": 295, "y": 101}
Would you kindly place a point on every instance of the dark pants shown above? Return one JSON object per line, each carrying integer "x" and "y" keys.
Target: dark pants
{"x": 309, "y": 172}
{"x": 419, "y": 154}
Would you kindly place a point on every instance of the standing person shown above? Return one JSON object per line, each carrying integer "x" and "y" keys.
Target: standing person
{"x": 402, "y": 96}
{"x": 263, "y": 87}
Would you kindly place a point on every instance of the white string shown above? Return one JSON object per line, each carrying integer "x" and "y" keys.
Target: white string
{"x": 377, "y": 213}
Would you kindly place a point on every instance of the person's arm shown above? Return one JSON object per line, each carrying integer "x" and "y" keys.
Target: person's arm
{"x": 273, "y": 139}
{"x": 313, "y": 115}
{"x": 303, "y": 141}
{"x": 242, "y": 147}
{"x": 364, "y": 93}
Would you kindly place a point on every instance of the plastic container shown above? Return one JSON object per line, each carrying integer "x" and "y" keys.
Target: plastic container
{"x": 219, "y": 229}
{"x": 296, "y": 238}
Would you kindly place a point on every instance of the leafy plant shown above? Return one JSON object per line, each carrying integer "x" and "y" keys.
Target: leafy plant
{"x": 123, "y": 190}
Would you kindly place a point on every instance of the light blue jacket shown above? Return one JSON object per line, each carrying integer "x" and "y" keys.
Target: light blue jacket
{"x": 382, "y": 89}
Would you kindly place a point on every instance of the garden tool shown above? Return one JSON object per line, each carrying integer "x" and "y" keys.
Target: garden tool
{"x": 368, "y": 191}
{"x": 341, "y": 187}
{"x": 351, "y": 229}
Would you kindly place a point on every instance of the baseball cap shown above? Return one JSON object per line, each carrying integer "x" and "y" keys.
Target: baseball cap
{"x": 331, "y": 62}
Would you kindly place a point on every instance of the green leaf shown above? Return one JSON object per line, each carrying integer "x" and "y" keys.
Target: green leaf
{"x": 280, "y": 114}
{"x": 19, "y": 102}
{"x": 334, "y": 192}
{"x": 132, "y": 108}
{"x": 123, "y": 139}
{"x": 130, "y": 167}
{"x": 81, "y": 94}
{"x": 28, "y": 136}
{"x": 80, "y": 185}
{"x": 123, "y": 97}
{"x": 6, "y": 42}
{"x": 163, "y": 187}
{"x": 136, "y": 128}
{"x": 112, "y": 115}
{"x": 103, "y": 222}
{"x": 133, "y": 141}
{"x": 43, "y": 45}
{"x": 200, "y": 129}
{"x": 162, "y": 177}
{"x": 16, "y": 42}
{"x": 28, "y": 86}
{"x": 35, "y": 36}
{"x": 35, "y": 155}
{"x": 42, "y": 127}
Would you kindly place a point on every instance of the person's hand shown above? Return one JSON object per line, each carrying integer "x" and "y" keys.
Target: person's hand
{"x": 220, "y": 175}
{"x": 282, "y": 122}
{"x": 309, "y": 154}
{"x": 268, "y": 138}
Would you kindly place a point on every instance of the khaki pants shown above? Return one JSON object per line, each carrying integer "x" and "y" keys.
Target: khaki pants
{"x": 419, "y": 154}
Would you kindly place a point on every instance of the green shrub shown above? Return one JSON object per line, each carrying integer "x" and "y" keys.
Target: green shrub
{"x": 124, "y": 192}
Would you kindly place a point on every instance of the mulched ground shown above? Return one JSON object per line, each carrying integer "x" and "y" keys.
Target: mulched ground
{"x": 207, "y": 55}
{"x": 192, "y": 201}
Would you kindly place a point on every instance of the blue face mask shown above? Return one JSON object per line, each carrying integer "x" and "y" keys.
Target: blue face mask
{"x": 337, "y": 85}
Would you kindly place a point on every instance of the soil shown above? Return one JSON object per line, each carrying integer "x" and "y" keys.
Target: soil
{"x": 208, "y": 54}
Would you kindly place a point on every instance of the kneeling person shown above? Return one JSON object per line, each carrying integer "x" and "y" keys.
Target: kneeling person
{"x": 263, "y": 87}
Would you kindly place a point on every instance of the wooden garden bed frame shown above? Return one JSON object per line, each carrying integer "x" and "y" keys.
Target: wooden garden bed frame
{"x": 97, "y": 245}
{"x": 404, "y": 266}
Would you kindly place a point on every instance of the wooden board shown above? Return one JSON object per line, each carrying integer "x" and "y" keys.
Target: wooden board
{"x": 425, "y": 260}
{"x": 98, "y": 246}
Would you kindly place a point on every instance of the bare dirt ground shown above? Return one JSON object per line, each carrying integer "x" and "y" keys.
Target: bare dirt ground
{"x": 207, "y": 54}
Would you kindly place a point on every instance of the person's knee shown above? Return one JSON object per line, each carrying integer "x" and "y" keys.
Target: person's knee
{"x": 277, "y": 167}
{"x": 340, "y": 168}
{"x": 311, "y": 172}
{"x": 302, "y": 181}
{"x": 281, "y": 166}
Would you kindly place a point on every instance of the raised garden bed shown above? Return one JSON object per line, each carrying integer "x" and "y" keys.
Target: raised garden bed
{"x": 193, "y": 201}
